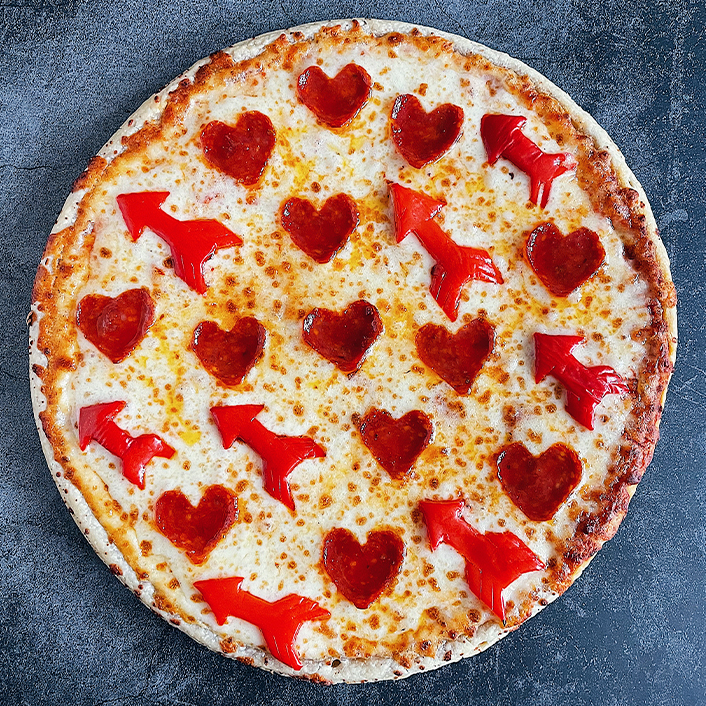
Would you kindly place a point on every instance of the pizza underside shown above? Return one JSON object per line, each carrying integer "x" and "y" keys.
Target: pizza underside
{"x": 349, "y": 348}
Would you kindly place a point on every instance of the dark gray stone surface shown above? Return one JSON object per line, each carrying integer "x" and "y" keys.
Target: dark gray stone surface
{"x": 631, "y": 631}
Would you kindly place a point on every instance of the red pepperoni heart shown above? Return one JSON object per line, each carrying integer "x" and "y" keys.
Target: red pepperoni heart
{"x": 320, "y": 234}
{"x": 229, "y": 355}
{"x": 362, "y": 573}
{"x": 457, "y": 358}
{"x": 538, "y": 485}
{"x": 334, "y": 101}
{"x": 423, "y": 137}
{"x": 116, "y": 325}
{"x": 564, "y": 263}
{"x": 241, "y": 151}
{"x": 196, "y": 530}
{"x": 343, "y": 338}
{"x": 396, "y": 443}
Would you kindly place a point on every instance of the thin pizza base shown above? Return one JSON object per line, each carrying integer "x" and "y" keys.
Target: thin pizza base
{"x": 610, "y": 507}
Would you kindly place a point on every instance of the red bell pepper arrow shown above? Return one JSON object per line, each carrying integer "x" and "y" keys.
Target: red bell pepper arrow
{"x": 279, "y": 622}
{"x": 95, "y": 423}
{"x": 503, "y": 137}
{"x": 585, "y": 387}
{"x": 455, "y": 264}
{"x": 191, "y": 242}
{"x": 280, "y": 454}
{"x": 493, "y": 560}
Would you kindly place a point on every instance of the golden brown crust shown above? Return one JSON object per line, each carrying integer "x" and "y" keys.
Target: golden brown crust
{"x": 62, "y": 274}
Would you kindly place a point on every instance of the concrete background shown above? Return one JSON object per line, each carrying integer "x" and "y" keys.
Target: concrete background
{"x": 631, "y": 631}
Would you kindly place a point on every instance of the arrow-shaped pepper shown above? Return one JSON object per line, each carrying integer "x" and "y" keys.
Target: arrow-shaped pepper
{"x": 493, "y": 560}
{"x": 455, "y": 265}
{"x": 191, "y": 242}
{"x": 502, "y": 136}
{"x": 585, "y": 387}
{"x": 280, "y": 454}
{"x": 95, "y": 423}
{"x": 279, "y": 622}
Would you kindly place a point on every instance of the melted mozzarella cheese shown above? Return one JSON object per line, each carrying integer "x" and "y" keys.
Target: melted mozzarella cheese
{"x": 168, "y": 391}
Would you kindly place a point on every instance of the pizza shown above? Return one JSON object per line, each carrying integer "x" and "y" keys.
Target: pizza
{"x": 349, "y": 349}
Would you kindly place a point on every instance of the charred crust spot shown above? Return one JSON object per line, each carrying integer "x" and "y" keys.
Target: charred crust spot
{"x": 228, "y": 646}
{"x": 65, "y": 363}
{"x": 90, "y": 175}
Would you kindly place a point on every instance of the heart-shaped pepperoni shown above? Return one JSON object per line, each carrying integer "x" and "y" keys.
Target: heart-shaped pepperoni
{"x": 334, "y": 101}
{"x": 396, "y": 443}
{"x": 539, "y": 485}
{"x": 320, "y": 234}
{"x": 116, "y": 325}
{"x": 229, "y": 355}
{"x": 423, "y": 137}
{"x": 564, "y": 263}
{"x": 241, "y": 151}
{"x": 196, "y": 530}
{"x": 457, "y": 358}
{"x": 343, "y": 338}
{"x": 362, "y": 573}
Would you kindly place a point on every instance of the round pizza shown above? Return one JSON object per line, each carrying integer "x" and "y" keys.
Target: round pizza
{"x": 349, "y": 349}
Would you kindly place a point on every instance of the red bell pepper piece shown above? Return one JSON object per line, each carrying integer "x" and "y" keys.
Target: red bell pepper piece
{"x": 455, "y": 265}
{"x": 493, "y": 560}
{"x": 503, "y": 137}
{"x": 585, "y": 387}
{"x": 279, "y": 621}
{"x": 95, "y": 423}
{"x": 191, "y": 242}
{"x": 280, "y": 454}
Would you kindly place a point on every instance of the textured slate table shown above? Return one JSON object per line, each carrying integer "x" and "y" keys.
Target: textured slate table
{"x": 630, "y": 631}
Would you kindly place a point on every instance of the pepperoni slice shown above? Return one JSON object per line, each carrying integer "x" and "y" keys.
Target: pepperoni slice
{"x": 362, "y": 572}
{"x": 564, "y": 263}
{"x": 334, "y": 101}
{"x": 396, "y": 443}
{"x": 457, "y": 358}
{"x": 320, "y": 234}
{"x": 423, "y": 137}
{"x": 229, "y": 355}
{"x": 116, "y": 325}
{"x": 242, "y": 150}
{"x": 196, "y": 530}
{"x": 343, "y": 338}
{"x": 539, "y": 485}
